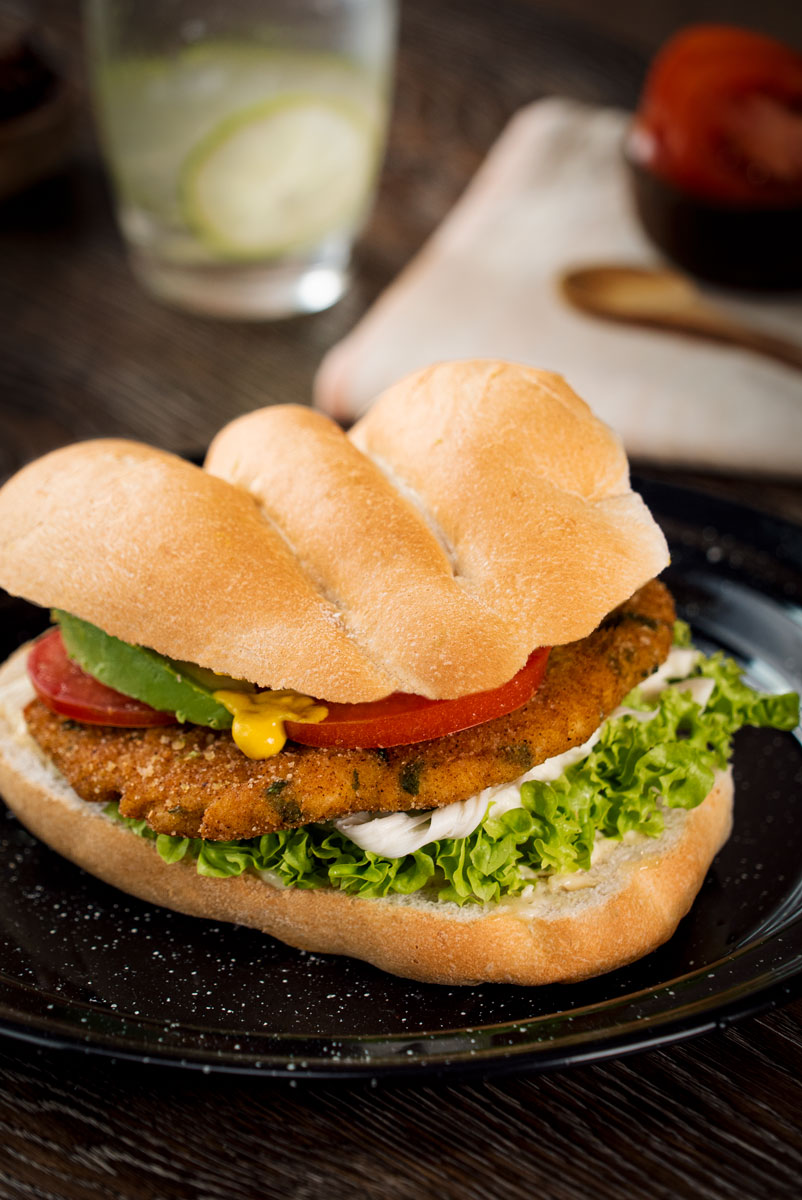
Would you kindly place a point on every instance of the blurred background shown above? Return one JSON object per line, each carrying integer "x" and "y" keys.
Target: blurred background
{"x": 84, "y": 351}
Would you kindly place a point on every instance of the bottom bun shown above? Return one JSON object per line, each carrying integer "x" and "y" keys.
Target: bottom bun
{"x": 568, "y": 929}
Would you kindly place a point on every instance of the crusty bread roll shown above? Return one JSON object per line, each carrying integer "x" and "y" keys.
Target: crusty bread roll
{"x": 528, "y": 489}
{"x": 628, "y": 905}
{"x": 157, "y": 552}
{"x": 478, "y": 511}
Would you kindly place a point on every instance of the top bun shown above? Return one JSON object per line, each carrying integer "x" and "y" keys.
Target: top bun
{"x": 477, "y": 511}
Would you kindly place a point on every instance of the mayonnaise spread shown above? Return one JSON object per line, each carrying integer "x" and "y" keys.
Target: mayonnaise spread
{"x": 395, "y": 834}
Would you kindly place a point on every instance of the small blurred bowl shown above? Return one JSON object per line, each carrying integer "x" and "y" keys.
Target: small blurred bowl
{"x": 37, "y": 143}
{"x": 741, "y": 247}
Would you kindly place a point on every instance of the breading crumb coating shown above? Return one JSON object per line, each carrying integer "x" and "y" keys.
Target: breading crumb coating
{"x": 191, "y": 781}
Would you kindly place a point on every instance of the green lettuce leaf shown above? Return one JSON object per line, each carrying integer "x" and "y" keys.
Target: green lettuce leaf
{"x": 682, "y": 635}
{"x": 640, "y": 766}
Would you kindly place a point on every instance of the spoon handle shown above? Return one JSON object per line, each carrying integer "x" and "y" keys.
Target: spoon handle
{"x": 702, "y": 321}
{"x": 766, "y": 344}
{"x": 663, "y": 299}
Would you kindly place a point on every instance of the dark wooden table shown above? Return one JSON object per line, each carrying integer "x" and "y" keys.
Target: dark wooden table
{"x": 84, "y": 352}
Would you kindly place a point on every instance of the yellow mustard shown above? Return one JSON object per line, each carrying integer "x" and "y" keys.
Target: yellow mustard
{"x": 258, "y": 727}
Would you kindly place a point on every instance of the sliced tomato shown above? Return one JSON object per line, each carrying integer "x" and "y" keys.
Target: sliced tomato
{"x": 397, "y": 720}
{"x": 721, "y": 117}
{"x": 401, "y": 719}
{"x": 67, "y": 689}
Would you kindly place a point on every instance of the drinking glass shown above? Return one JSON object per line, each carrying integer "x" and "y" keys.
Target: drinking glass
{"x": 244, "y": 139}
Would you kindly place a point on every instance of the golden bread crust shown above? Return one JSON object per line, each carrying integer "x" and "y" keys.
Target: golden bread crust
{"x": 478, "y": 511}
{"x": 528, "y": 489}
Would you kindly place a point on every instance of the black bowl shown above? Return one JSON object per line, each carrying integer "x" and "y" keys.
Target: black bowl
{"x": 754, "y": 248}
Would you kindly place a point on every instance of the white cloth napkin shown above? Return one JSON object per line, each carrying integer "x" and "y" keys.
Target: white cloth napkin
{"x": 553, "y": 194}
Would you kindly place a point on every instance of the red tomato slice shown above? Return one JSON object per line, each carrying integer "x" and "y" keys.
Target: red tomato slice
{"x": 401, "y": 719}
{"x": 67, "y": 689}
{"x": 721, "y": 117}
{"x": 397, "y": 720}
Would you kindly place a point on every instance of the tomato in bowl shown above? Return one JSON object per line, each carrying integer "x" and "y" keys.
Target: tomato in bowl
{"x": 715, "y": 155}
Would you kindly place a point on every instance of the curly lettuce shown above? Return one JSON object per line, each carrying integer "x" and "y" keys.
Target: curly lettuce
{"x": 665, "y": 757}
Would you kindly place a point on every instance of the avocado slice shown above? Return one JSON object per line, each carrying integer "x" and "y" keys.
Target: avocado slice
{"x": 180, "y": 688}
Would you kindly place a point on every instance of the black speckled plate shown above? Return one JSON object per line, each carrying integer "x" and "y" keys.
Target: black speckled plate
{"x": 84, "y": 967}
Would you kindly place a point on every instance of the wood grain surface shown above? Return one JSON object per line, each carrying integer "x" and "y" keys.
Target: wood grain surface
{"x": 84, "y": 352}
{"x": 699, "y": 1120}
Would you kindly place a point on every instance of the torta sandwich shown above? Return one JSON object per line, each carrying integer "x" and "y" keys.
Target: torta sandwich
{"x": 412, "y": 694}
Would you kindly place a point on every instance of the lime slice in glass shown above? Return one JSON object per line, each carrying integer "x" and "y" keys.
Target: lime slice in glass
{"x": 279, "y": 176}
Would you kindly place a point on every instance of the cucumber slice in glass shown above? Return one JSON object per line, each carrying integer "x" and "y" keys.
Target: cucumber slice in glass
{"x": 280, "y": 176}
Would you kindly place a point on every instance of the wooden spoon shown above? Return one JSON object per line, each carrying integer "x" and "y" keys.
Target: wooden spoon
{"x": 665, "y": 300}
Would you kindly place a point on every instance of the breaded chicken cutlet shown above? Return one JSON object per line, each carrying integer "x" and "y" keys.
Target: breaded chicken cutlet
{"x": 193, "y": 782}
